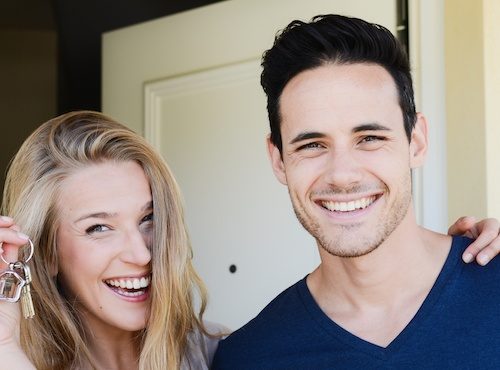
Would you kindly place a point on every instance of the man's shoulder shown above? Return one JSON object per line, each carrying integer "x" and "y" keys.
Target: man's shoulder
{"x": 485, "y": 273}
{"x": 469, "y": 288}
{"x": 464, "y": 279}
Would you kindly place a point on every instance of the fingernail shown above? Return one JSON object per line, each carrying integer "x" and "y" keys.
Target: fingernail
{"x": 468, "y": 257}
{"x": 23, "y": 236}
{"x": 483, "y": 260}
{"x": 6, "y": 219}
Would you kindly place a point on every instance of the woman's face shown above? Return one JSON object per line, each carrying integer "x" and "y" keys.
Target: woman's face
{"x": 103, "y": 244}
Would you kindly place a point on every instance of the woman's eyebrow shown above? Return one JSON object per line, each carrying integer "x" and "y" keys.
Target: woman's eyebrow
{"x": 96, "y": 215}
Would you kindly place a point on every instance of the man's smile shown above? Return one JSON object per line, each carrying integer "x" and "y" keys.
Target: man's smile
{"x": 352, "y": 205}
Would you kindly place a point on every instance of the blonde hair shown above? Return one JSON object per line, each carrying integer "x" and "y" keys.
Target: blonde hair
{"x": 54, "y": 338}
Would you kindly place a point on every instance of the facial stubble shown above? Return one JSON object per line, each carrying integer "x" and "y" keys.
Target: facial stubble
{"x": 347, "y": 240}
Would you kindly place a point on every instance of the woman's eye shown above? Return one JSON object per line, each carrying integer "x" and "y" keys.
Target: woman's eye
{"x": 147, "y": 222}
{"x": 96, "y": 229}
{"x": 148, "y": 218}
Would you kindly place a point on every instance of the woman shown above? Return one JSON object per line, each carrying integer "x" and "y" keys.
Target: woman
{"x": 111, "y": 285}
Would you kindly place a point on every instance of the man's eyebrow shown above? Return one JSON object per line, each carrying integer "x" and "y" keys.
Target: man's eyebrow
{"x": 306, "y": 136}
{"x": 370, "y": 127}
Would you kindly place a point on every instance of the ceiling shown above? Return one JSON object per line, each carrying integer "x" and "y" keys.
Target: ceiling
{"x": 79, "y": 25}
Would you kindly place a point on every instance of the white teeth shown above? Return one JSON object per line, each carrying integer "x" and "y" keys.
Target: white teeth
{"x": 137, "y": 284}
{"x": 131, "y": 294}
{"x": 133, "y": 283}
{"x": 349, "y": 206}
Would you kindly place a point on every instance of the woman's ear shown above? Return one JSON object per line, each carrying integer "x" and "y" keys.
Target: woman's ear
{"x": 419, "y": 142}
{"x": 276, "y": 161}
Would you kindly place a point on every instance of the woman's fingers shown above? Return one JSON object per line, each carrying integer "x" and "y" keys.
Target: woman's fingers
{"x": 6, "y": 221}
{"x": 487, "y": 243}
{"x": 11, "y": 239}
{"x": 465, "y": 226}
{"x": 488, "y": 253}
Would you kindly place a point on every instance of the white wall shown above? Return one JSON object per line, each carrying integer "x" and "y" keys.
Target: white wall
{"x": 427, "y": 60}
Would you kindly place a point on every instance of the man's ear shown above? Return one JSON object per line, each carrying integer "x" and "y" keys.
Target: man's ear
{"x": 276, "y": 161}
{"x": 419, "y": 142}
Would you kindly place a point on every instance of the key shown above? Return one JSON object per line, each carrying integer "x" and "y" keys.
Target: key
{"x": 27, "y": 307}
{"x": 11, "y": 284}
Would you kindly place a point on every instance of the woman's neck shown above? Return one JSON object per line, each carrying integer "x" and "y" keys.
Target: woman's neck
{"x": 110, "y": 347}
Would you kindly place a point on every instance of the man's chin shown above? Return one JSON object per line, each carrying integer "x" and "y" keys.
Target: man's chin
{"x": 344, "y": 248}
{"x": 349, "y": 253}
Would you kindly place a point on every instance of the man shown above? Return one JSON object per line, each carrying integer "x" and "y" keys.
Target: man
{"x": 388, "y": 293}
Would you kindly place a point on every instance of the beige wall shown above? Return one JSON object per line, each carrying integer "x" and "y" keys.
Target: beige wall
{"x": 473, "y": 107}
{"x": 491, "y": 18}
{"x": 28, "y": 91}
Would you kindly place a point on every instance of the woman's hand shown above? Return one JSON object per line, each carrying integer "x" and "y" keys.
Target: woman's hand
{"x": 11, "y": 353}
{"x": 486, "y": 232}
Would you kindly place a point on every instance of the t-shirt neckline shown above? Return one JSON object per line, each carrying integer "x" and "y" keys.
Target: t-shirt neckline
{"x": 339, "y": 333}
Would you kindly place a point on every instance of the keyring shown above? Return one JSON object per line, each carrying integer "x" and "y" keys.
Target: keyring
{"x": 32, "y": 250}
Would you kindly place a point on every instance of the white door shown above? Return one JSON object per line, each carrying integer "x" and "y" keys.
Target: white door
{"x": 190, "y": 83}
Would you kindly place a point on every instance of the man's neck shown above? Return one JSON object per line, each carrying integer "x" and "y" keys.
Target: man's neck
{"x": 389, "y": 283}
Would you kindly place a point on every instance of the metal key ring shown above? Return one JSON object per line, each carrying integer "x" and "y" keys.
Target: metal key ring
{"x": 32, "y": 250}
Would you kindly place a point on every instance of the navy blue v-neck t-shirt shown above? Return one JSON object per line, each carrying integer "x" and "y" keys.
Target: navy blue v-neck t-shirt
{"x": 457, "y": 327}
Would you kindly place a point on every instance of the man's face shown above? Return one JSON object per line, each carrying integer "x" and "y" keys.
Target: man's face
{"x": 346, "y": 158}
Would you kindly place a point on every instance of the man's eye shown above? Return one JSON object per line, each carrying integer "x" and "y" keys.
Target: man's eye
{"x": 96, "y": 229}
{"x": 372, "y": 138}
{"x": 313, "y": 145}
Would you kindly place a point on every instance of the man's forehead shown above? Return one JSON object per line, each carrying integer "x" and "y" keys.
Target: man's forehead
{"x": 357, "y": 94}
{"x": 341, "y": 72}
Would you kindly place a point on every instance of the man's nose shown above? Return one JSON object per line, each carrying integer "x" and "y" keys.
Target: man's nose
{"x": 343, "y": 169}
